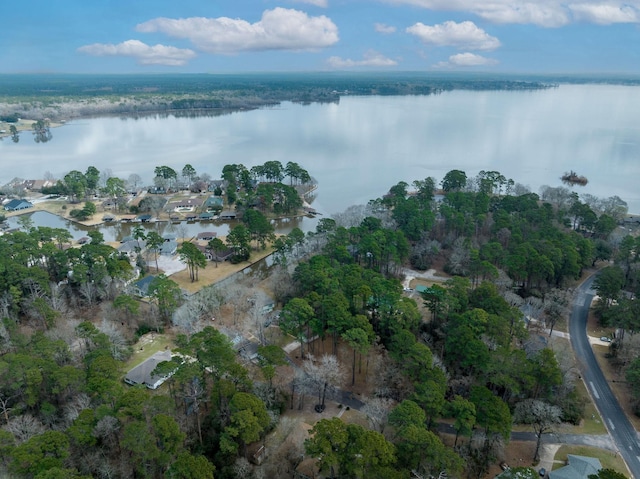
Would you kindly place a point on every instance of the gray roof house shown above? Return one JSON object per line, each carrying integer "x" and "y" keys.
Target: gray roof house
{"x": 214, "y": 203}
{"x": 131, "y": 247}
{"x": 169, "y": 248}
{"x": 207, "y": 235}
{"x": 578, "y": 467}
{"x": 16, "y": 205}
{"x": 141, "y": 287}
{"x": 143, "y": 373}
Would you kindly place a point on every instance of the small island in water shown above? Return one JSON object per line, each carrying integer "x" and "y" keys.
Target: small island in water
{"x": 572, "y": 178}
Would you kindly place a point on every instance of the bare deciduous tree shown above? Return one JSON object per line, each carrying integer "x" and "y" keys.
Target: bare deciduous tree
{"x": 24, "y": 427}
{"x": 242, "y": 468}
{"x": 540, "y": 415}
{"x": 323, "y": 377}
{"x": 377, "y": 411}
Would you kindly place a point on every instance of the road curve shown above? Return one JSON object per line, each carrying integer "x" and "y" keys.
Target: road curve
{"x": 622, "y": 432}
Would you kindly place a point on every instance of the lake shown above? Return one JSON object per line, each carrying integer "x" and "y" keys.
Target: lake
{"x": 360, "y": 147}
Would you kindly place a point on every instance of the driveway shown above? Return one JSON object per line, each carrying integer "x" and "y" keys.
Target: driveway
{"x": 168, "y": 264}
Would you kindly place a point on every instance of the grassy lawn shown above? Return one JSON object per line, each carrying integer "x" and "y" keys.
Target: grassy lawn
{"x": 592, "y": 422}
{"x": 147, "y": 346}
{"x": 212, "y": 273}
{"x": 608, "y": 459}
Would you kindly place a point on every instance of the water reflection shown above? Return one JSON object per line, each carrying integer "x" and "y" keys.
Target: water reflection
{"x": 115, "y": 232}
{"x": 360, "y": 147}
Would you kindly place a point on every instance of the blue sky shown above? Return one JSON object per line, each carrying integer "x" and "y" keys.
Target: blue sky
{"x": 226, "y": 36}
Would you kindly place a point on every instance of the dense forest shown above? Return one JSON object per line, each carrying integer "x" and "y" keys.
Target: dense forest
{"x": 475, "y": 349}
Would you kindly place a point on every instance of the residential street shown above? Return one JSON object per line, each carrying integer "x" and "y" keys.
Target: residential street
{"x": 622, "y": 432}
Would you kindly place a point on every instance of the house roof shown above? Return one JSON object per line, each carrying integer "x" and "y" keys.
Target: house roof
{"x": 142, "y": 373}
{"x": 143, "y": 284}
{"x": 168, "y": 247}
{"x": 131, "y": 246}
{"x": 214, "y": 201}
{"x": 578, "y": 467}
{"x": 207, "y": 234}
{"x": 17, "y": 204}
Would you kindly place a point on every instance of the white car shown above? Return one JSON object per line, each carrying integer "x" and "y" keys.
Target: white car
{"x": 605, "y": 339}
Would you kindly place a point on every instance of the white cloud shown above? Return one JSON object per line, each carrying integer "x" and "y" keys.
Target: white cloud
{"x": 465, "y": 35}
{"x": 278, "y": 29}
{"x": 369, "y": 59}
{"x": 382, "y": 28}
{"x": 545, "y": 13}
{"x": 466, "y": 60}
{"x": 605, "y": 14}
{"x": 317, "y": 3}
{"x": 143, "y": 53}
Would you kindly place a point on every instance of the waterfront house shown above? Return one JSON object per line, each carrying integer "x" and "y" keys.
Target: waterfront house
{"x": 207, "y": 235}
{"x": 170, "y": 237}
{"x": 213, "y": 203}
{"x": 131, "y": 247}
{"x": 218, "y": 256}
{"x": 186, "y": 204}
{"x": 17, "y": 205}
{"x": 228, "y": 215}
{"x": 169, "y": 248}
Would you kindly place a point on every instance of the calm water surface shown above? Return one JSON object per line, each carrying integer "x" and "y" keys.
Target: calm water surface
{"x": 360, "y": 147}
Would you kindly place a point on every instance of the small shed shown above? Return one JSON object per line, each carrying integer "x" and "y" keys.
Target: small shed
{"x": 144, "y": 218}
{"x": 108, "y": 218}
{"x": 206, "y": 216}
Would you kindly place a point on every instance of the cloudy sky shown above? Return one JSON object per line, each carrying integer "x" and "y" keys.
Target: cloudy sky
{"x": 128, "y": 36}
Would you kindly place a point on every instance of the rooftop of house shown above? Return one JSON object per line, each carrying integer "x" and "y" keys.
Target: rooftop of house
{"x": 578, "y": 467}
{"x": 143, "y": 373}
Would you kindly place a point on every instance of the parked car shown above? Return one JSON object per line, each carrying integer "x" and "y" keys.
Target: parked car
{"x": 605, "y": 339}
{"x": 542, "y": 472}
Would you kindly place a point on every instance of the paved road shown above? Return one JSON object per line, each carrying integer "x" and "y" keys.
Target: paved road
{"x": 624, "y": 435}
